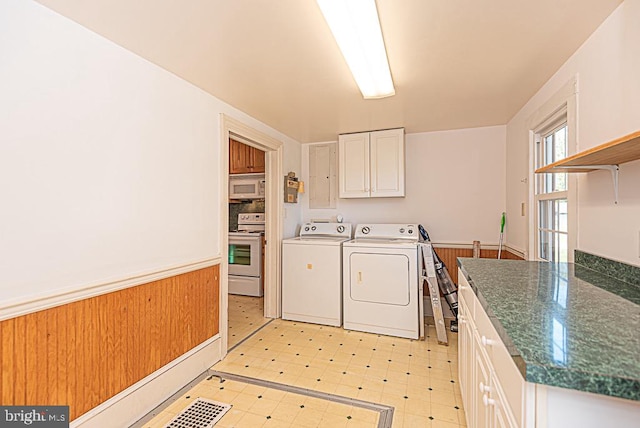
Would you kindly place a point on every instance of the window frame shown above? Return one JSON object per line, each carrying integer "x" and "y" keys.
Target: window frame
{"x": 560, "y": 108}
{"x": 559, "y": 121}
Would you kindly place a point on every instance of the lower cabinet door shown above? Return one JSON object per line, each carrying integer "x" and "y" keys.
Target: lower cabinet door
{"x": 500, "y": 415}
{"x": 466, "y": 359}
{"x": 480, "y": 388}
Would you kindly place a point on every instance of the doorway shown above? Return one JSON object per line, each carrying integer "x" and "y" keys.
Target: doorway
{"x": 272, "y": 148}
{"x": 246, "y": 240}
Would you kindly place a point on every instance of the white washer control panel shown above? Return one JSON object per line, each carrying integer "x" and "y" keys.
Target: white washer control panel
{"x": 326, "y": 229}
{"x": 387, "y": 231}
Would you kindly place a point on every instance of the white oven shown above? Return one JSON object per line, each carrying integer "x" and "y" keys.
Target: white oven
{"x": 245, "y": 255}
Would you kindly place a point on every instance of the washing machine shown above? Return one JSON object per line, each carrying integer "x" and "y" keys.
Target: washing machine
{"x": 312, "y": 273}
{"x": 381, "y": 278}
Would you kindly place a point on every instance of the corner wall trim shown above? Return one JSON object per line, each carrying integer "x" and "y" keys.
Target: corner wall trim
{"x": 17, "y": 308}
{"x": 488, "y": 246}
{"x": 467, "y": 245}
{"x": 518, "y": 252}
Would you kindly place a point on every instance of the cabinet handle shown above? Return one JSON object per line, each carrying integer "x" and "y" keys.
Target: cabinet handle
{"x": 488, "y": 401}
{"x": 462, "y": 319}
{"x": 487, "y": 342}
{"x": 484, "y": 388}
{"x": 462, "y": 287}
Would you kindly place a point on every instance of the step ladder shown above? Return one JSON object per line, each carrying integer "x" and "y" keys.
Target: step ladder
{"x": 428, "y": 275}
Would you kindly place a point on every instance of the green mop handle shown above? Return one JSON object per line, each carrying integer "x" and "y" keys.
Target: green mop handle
{"x": 502, "y": 221}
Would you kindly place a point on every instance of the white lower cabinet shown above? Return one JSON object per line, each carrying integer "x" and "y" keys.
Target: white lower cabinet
{"x": 481, "y": 385}
{"x": 465, "y": 350}
{"x": 499, "y": 410}
{"x": 495, "y": 394}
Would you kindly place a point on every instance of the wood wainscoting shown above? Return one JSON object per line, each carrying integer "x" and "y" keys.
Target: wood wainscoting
{"x": 449, "y": 255}
{"x": 83, "y": 353}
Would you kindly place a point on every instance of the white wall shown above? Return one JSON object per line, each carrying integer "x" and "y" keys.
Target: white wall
{"x": 454, "y": 187}
{"x": 608, "y": 70}
{"x": 109, "y": 165}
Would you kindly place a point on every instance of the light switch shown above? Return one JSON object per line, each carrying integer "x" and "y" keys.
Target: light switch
{"x": 522, "y": 209}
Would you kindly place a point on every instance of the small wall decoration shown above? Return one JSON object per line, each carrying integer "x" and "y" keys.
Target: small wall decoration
{"x": 291, "y": 185}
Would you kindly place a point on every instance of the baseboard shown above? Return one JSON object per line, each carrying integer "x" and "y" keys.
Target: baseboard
{"x": 133, "y": 403}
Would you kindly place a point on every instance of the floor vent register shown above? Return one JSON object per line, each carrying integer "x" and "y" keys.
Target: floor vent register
{"x": 202, "y": 413}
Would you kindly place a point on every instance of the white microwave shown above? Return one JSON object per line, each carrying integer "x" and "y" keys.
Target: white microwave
{"x": 246, "y": 186}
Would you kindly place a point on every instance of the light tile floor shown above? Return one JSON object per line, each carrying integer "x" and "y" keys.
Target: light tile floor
{"x": 257, "y": 406}
{"x": 418, "y": 378}
{"x": 246, "y": 315}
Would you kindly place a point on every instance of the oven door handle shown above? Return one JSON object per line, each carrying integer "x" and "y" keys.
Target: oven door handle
{"x": 244, "y": 239}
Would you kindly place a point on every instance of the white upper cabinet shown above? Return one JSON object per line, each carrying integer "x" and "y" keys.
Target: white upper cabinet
{"x": 387, "y": 163}
{"x": 371, "y": 164}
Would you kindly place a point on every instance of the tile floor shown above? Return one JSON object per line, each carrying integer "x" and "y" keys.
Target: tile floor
{"x": 258, "y": 406}
{"x": 245, "y": 317}
{"x": 417, "y": 378}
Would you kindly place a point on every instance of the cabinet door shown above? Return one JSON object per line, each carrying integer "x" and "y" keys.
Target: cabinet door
{"x": 239, "y": 155}
{"x": 480, "y": 388}
{"x": 387, "y": 163}
{"x": 244, "y": 159}
{"x": 500, "y": 414}
{"x": 465, "y": 358}
{"x": 353, "y": 163}
{"x": 256, "y": 160}
{"x": 322, "y": 175}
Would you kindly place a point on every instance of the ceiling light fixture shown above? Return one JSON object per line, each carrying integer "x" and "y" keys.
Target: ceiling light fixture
{"x": 356, "y": 28}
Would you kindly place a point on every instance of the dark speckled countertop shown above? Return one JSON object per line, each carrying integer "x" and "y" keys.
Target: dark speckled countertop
{"x": 563, "y": 324}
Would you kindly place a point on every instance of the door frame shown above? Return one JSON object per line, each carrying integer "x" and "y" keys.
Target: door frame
{"x": 274, "y": 194}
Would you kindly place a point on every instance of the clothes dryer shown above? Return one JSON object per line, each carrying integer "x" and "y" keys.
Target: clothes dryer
{"x": 382, "y": 287}
{"x": 312, "y": 273}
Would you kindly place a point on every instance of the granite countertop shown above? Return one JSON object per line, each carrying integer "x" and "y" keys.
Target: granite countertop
{"x": 564, "y": 325}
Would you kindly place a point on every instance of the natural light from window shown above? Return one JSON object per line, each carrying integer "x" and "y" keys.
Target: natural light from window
{"x": 551, "y": 196}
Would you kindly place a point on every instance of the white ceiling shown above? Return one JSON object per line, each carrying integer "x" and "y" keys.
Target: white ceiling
{"x": 455, "y": 63}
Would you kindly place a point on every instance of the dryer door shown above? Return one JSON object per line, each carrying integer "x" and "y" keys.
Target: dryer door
{"x": 379, "y": 278}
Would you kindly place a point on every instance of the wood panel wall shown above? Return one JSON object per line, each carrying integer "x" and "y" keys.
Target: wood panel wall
{"x": 449, "y": 255}
{"x": 85, "y": 352}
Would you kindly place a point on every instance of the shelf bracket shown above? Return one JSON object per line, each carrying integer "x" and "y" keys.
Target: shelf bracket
{"x": 615, "y": 169}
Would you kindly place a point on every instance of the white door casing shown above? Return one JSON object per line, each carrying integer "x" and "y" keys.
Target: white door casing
{"x": 274, "y": 196}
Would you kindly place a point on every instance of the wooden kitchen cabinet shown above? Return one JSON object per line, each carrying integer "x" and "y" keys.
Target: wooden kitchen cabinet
{"x": 371, "y": 164}
{"x": 244, "y": 159}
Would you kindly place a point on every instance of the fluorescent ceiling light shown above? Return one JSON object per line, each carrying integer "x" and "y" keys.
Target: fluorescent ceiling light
{"x": 356, "y": 28}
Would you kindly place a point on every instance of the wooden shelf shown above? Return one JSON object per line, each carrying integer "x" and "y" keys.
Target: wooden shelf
{"x": 621, "y": 150}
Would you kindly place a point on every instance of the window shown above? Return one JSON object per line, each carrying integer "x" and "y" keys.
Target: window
{"x": 551, "y": 194}
{"x": 553, "y": 214}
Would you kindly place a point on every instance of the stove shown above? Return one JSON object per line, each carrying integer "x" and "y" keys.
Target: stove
{"x": 246, "y": 255}
{"x": 251, "y": 223}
